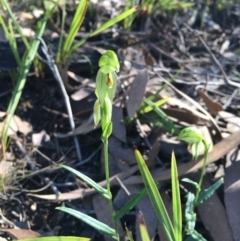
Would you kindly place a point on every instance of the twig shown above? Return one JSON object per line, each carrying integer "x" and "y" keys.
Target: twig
{"x": 227, "y": 80}
{"x": 51, "y": 63}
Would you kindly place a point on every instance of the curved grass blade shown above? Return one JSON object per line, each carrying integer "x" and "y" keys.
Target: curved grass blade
{"x": 131, "y": 204}
{"x": 57, "y": 238}
{"x": 105, "y": 26}
{"x": 101, "y": 227}
{"x": 89, "y": 181}
{"x": 176, "y": 200}
{"x": 155, "y": 197}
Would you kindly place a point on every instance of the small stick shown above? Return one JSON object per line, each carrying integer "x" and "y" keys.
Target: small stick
{"x": 51, "y": 63}
{"x": 227, "y": 80}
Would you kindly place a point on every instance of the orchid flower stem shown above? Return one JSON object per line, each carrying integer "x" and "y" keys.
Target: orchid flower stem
{"x": 106, "y": 162}
{"x": 206, "y": 149}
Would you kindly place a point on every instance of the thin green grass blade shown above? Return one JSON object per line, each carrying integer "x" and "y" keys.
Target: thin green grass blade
{"x": 143, "y": 228}
{"x": 155, "y": 197}
{"x": 209, "y": 191}
{"x": 18, "y": 27}
{"x": 131, "y": 204}
{"x": 158, "y": 103}
{"x": 75, "y": 26}
{"x": 57, "y": 238}
{"x": 89, "y": 181}
{"x": 23, "y": 72}
{"x": 101, "y": 227}
{"x": 11, "y": 38}
{"x": 105, "y": 26}
{"x": 176, "y": 200}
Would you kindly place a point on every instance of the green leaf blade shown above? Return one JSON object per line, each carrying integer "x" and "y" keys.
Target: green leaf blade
{"x": 131, "y": 204}
{"x": 89, "y": 181}
{"x": 209, "y": 191}
{"x": 155, "y": 197}
{"x": 101, "y": 227}
{"x": 177, "y": 209}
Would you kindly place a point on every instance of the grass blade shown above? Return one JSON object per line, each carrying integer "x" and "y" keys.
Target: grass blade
{"x": 89, "y": 181}
{"x": 176, "y": 200}
{"x": 105, "y": 26}
{"x": 23, "y": 72}
{"x": 101, "y": 227}
{"x": 75, "y": 26}
{"x": 155, "y": 197}
{"x": 131, "y": 204}
{"x": 143, "y": 228}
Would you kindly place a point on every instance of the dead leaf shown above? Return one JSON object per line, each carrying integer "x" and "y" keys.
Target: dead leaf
{"x": 232, "y": 197}
{"x": 75, "y": 77}
{"x": 217, "y": 225}
{"x": 6, "y": 167}
{"x": 213, "y": 106}
{"x": 81, "y": 93}
{"x": 186, "y": 116}
{"x": 119, "y": 130}
{"x": 39, "y": 138}
{"x": 103, "y": 213}
{"x": 17, "y": 124}
{"x": 153, "y": 153}
{"x": 22, "y": 233}
{"x": 233, "y": 121}
{"x": 136, "y": 92}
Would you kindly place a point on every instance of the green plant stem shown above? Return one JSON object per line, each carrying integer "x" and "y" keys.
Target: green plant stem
{"x": 206, "y": 147}
{"x": 106, "y": 161}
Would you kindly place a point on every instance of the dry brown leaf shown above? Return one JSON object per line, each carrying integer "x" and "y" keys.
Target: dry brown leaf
{"x": 17, "y": 124}
{"x": 153, "y": 153}
{"x": 22, "y": 233}
{"x": 217, "y": 225}
{"x": 186, "y": 116}
{"x": 232, "y": 197}
{"x": 103, "y": 213}
{"x": 5, "y": 168}
{"x": 213, "y": 107}
{"x": 136, "y": 92}
{"x": 82, "y": 93}
{"x": 233, "y": 121}
{"x": 119, "y": 130}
